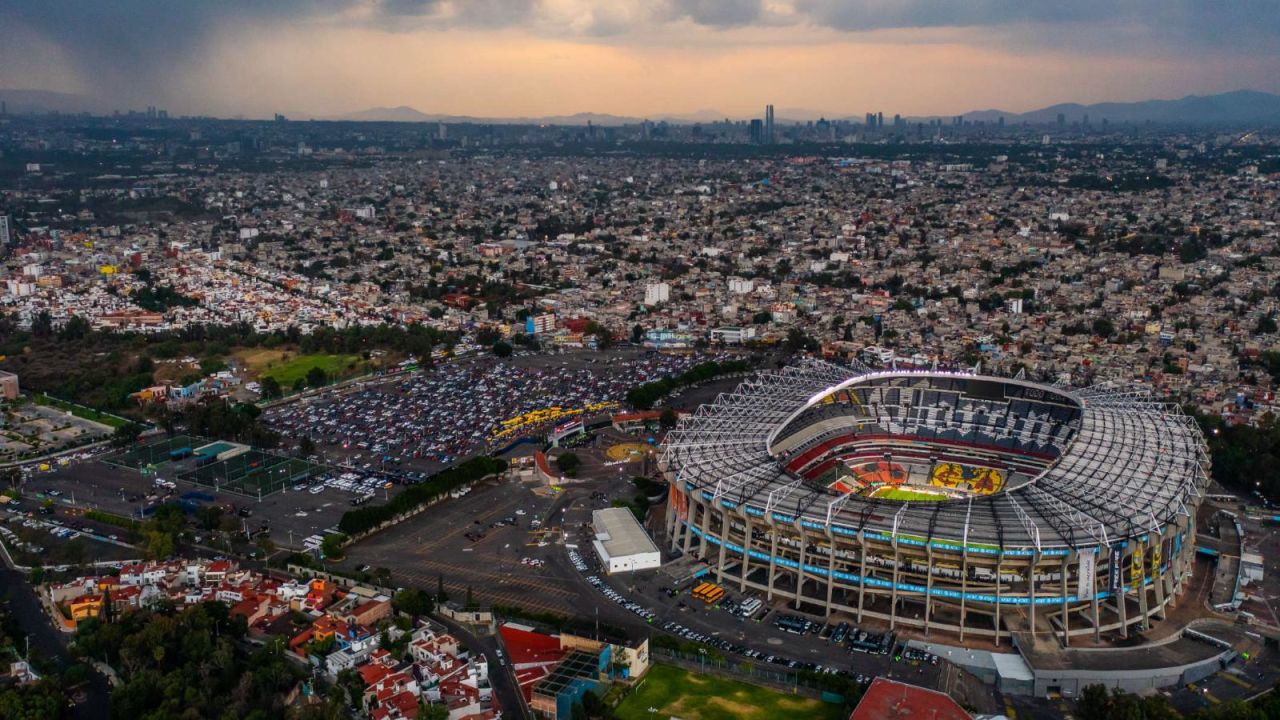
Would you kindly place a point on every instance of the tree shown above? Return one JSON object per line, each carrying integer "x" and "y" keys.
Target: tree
{"x": 209, "y": 516}
{"x": 332, "y": 545}
{"x": 299, "y": 385}
{"x": 159, "y": 545}
{"x": 1094, "y": 704}
{"x": 108, "y": 607}
{"x": 42, "y": 324}
{"x": 413, "y": 601}
{"x": 1103, "y": 327}
{"x": 668, "y": 418}
{"x": 441, "y": 595}
{"x": 568, "y": 464}
{"x": 126, "y": 435}
{"x": 797, "y": 340}
{"x": 433, "y": 711}
{"x": 317, "y": 377}
{"x": 471, "y": 599}
{"x": 271, "y": 388}
{"x": 602, "y": 334}
{"x": 637, "y": 333}
{"x": 306, "y": 446}
{"x": 502, "y": 349}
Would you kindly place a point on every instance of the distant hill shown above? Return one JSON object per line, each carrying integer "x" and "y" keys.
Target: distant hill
{"x": 405, "y": 113}
{"x": 1240, "y": 107}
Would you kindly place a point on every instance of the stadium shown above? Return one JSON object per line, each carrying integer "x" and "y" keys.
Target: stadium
{"x": 944, "y": 501}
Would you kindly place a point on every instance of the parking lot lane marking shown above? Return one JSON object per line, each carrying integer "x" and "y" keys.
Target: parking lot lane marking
{"x": 1233, "y": 678}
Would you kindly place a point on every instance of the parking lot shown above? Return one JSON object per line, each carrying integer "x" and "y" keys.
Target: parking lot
{"x": 294, "y": 513}
{"x": 429, "y": 419}
{"x": 484, "y": 540}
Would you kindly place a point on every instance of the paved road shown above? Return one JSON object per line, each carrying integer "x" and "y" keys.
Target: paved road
{"x": 46, "y": 641}
{"x": 501, "y": 678}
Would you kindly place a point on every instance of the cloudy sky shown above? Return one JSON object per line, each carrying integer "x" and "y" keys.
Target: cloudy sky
{"x": 636, "y": 57}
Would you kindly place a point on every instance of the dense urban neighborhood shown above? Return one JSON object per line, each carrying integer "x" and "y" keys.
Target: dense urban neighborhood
{"x": 463, "y": 421}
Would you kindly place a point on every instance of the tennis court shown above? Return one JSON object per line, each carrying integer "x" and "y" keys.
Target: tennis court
{"x": 255, "y": 473}
{"x": 153, "y": 452}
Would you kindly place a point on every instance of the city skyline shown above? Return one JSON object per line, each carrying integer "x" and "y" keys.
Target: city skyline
{"x": 503, "y": 59}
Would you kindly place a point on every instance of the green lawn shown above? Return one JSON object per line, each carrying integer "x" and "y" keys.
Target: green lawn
{"x": 286, "y": 372}
{"x": 678, "y": 693}
{"x": 905, "y": 495}
{"x": 80, "y": 412}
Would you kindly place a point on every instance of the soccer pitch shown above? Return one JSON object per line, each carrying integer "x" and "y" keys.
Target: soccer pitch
{"x": 668, "y": 691}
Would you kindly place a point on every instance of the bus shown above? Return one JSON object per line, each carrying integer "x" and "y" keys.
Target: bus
{"x": 709, "y": 593}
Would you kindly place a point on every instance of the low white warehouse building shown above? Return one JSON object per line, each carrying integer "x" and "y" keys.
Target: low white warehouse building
{"x": 621, "y": 543}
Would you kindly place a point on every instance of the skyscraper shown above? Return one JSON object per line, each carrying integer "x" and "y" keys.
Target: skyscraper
{"x": 768, "y": 124}
{"x": 757, "y": 131}
{"x": 4, "y": 230}
{"x": 880, "y": 120}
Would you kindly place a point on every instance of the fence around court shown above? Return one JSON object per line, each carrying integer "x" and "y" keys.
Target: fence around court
{"x": 749, "y": 672}
{"x": 137, "y": 457}
{"x": 254, "y": 473}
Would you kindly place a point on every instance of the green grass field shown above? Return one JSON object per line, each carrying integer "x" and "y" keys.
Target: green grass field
{"x": 287, "y": 372}
{"x": 679, "y": 693}
{"x": 905, "y": 495}
{"x": 80, "y": 412}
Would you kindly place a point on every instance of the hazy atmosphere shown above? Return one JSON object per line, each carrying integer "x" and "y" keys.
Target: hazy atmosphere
{"x": 634, "y": 57}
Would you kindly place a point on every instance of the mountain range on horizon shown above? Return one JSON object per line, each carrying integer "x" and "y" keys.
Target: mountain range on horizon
{"x": 1235, "y": 107}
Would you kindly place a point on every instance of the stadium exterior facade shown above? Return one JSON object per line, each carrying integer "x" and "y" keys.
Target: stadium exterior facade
{"x": 1083, "y": 521}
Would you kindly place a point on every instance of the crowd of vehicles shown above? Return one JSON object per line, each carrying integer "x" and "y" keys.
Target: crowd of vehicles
{"x": 449, "y": 410}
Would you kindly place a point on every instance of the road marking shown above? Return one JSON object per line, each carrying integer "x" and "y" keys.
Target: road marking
{"x": 1233, "y": 678}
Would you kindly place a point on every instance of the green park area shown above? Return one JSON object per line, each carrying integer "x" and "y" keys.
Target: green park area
{"x": 287, "y": 368}
{"x": 668, "y": 691}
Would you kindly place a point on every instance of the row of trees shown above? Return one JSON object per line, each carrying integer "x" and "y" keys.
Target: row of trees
{"x": 363, "y": 519}
{"x": 1245, "y": 456}
{"x": 1098, "y": 704}
{"x": 647, "y": 395}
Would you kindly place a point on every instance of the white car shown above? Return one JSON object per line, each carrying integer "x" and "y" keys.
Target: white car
{"x": 317, "y": 490}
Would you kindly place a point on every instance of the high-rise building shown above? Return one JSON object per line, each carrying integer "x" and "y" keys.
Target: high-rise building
{"x": 4, "y": 230}
{"x": 768, "y": 124}
{"x": 757, "y": 131}
{"x": 880, "y": 120}
{"x": 870, "y": 121}
{"x": 1062, "y": 119}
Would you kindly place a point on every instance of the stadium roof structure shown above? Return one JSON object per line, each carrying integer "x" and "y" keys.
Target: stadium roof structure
{"x": 1124, "y": 465}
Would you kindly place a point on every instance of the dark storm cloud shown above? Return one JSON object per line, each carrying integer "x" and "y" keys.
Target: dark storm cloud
{"x": 118, "y": 44}
{"x": 718, "y": 13}
{"x": 1232, "y": 24}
